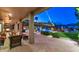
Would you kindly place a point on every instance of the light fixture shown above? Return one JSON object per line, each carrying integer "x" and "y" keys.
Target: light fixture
{"x": 7, "y": 29}
{"x": 10, "y": 14}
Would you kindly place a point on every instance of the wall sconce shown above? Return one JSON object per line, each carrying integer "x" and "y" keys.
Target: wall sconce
{"x": 10, "y": 16}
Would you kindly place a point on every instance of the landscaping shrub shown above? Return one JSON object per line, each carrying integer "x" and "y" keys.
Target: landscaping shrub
{"x": 45, "y": 33}
{"x": 55, "y": 35}
{"x": 72, "y": 35}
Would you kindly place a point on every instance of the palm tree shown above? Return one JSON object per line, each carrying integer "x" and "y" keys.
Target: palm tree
{"x": 77, "y": 15}
{"x": 77, "y": 12}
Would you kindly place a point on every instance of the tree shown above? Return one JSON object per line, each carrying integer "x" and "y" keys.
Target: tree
{"x": 77, "y": 15}
{"x": 77, "y": 12}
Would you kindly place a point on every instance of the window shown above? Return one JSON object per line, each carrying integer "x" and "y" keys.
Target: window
{"x": 0, "y": 27}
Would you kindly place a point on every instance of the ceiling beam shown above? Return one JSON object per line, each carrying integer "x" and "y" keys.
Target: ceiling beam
{"x": 39, "y": 10}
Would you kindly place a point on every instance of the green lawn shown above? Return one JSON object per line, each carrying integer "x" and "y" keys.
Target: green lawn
{"x": 71, "y": 35}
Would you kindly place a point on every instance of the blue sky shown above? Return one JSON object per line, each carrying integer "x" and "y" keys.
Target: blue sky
{"x": 58, "y": 15}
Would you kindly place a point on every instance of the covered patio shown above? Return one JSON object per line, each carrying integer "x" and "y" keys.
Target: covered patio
{"x": 47, "y": 44}
{"x": 12, "y": 17}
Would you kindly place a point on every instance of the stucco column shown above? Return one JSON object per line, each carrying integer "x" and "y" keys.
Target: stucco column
{"x": 20, "y": 27}
{"x": 16, "y": 27}
{"x": 31, "y": 28}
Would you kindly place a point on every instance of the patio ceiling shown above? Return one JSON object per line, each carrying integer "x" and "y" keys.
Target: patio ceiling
{"x": 17, "y": 12}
